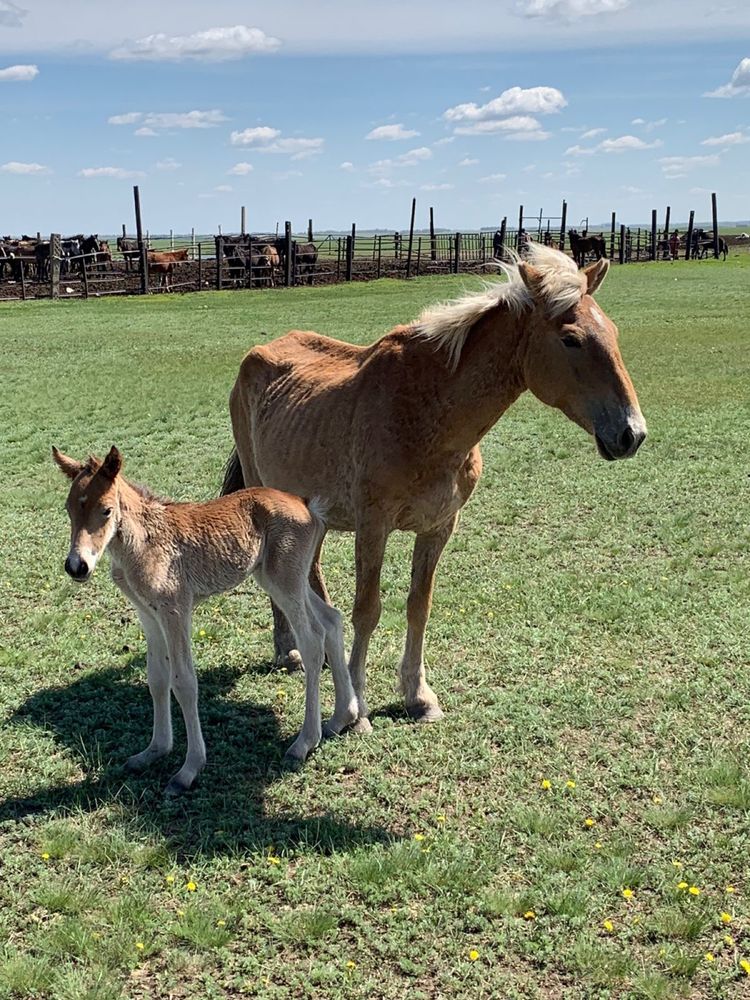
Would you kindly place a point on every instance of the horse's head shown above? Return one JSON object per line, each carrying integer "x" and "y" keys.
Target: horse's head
{"x": 93, "y": 507}
{"x": 572, "y": 360}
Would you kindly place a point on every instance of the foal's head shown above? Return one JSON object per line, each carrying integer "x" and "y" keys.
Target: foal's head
{"x": 93, "y": 506}
{"x": 573, "y": 360}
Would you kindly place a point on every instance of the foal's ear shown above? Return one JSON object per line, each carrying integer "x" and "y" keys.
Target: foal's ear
{"x": 595, "y": 274}
{"x": 112, "y": 463}
{"x": 69, "y": 466}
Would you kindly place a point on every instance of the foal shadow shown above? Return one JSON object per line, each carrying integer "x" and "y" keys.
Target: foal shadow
{"x": 105, "y": 716}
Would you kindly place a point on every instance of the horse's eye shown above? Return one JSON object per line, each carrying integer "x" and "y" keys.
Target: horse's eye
{"x": 107, "y": 511}
{"x": 571, "y": 341}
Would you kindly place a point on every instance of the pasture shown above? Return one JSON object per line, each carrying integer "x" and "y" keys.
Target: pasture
{"x": 578, "y": 824}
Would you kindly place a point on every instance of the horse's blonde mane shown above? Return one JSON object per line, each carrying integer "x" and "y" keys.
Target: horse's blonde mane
{"x": 560, "y": 287}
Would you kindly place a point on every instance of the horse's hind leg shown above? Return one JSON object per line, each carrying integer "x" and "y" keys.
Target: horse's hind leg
{"x": 345, "y": 710}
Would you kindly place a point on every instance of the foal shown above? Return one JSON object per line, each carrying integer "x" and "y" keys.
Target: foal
{"x": 168, "y": 556}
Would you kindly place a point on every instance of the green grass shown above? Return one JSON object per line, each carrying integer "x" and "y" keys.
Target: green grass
{"x": 590, "y": 626}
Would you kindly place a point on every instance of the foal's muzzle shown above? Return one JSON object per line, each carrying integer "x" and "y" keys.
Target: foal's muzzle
{"x": 77, "y": 569}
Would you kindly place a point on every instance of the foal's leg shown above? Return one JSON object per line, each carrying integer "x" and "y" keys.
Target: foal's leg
{"x": 285, "y": 649}
{"x": 185, "y": 686}
{"x": 157, "y": 661}
{"x": 310, "y": 639}
{"x": 369, "y": 549}
{"x": 345, "y": 710}
{"x": 421, "y": 701}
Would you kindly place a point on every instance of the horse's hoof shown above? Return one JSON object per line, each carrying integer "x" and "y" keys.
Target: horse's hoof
{"x": 291, "y": 661}
{"x": 362, "y": 727}
{"x": 177, "y": 787}
{"x": 291, "y": 763}
{"x": 424, "y": 713}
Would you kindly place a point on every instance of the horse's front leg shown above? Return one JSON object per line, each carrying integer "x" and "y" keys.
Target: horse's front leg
{"x": 369, "y": 548}
{"x": 285, "y": 649}
{"x": 421, "y": 700}
{"x": 158, "y": 684}
{"x": 176, "y": 626}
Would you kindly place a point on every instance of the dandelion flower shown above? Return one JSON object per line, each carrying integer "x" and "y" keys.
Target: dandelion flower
{"x": 745, "y": 966}
{"x": 726, "y": 918}
{"x": 608, "y": 926}
{"x": 202, "y": 633}
{"x": 570, "y": 784}
{"x": 473, "y": 955}
{"x": 682, "y": 885}
{"x": 677, "y": 864}
{"x": 589, "y": 821}
{"x": 140, "y": 945}
{"x": 546, "y": 784}
{"x": 191, "y": 887}
{"x": 180, "y": 913}
{"x": 273, "y": 859}
{"x": 709, "y": 956}
{"x": 529, "y": 915}
{"x": 419, "y": 836}
{"x": 440, "y": 818}
{"x": 694, "y": 890}
{"x": 729, "y": 940}
{"x": 351, "y": 965}
{"x": 45, "y": 856}
{"x": 628, "y": 893}
{"x": 169, "y": 879}
{"x": 221, "y": 923}
{"x": 656, "y": 799}
{"x": 730, "y": 888}
{"x": 598, "y": 845}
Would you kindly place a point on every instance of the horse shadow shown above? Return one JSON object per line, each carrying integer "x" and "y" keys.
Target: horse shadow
{"x": 103, "y": 717}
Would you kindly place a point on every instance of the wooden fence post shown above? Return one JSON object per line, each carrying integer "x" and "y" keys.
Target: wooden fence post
{"x": 310, "y": 236}
{"x": 219, "y": 261}
{"x": 612, "y": 238}
{"x": 715, "y": 220}
{"x": 288, "y": 251}
{"x": 433, "y": 244}
{"x": 55, "y": 253}
{"x": 689, "y": 237}
{"x": 503, "y": 228}
{"x": 411, "y": 237}
{"x": 243, "y": 219}
{"x": 419, "y": 253}
{"x": 380, "y": 252}
{"x": 667, "y": 214}
{"x": 563, "y": 225}
{"x": 142, "y": 253}
{"x": 457, "y": 253}
{"x": 622, "y": 244}
{"x": 200, "y": 268}
{"x": 520, "y": 227}
{"x": 349, "y": 257}
{"x": 653, "y": 234}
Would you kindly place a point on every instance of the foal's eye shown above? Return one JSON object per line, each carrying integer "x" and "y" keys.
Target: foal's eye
{"x": 571, "y": 341}
{"x": 107, "y": 511}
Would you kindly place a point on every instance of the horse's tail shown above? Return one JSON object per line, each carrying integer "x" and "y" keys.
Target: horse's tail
{"x": 233, "y": 478}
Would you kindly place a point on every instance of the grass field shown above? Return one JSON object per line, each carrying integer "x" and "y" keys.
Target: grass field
{"x": 578, "y": 826}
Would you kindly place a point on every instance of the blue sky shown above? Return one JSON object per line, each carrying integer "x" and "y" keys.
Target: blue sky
{"x": 472, "y": 108}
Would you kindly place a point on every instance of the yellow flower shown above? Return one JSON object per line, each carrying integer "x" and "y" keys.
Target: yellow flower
{"x": 682, "y": 885}
{"x": 202, "y": 633}
{"x": 281, "y": 694}
{"x": 745, "y": 966}
{"x": 677, "y": 864}
{"x": 570, "y": 784}
{"x": 529, "y": 915}
{"x": 351, "y": 965}
{"x": 598, "y": 845}
{"x": 656, "y": 799}
{"x": 608, "y": 926}
{"x": 191, "y": 887}
{"x": 729, "y": 940}
{"x": 221, "y": 923}
{"x": 45, "y": 856}
{"x": 627, "y": 893}
{"x": 589, "y": 821}
{"x": 169, "y": 879}
{"x": 440, "y": 819}
{"x": 730, "y": 888}
{"x": 546, "y": 784}
{"x": 426, "y": 850}
{"x": 180, "y": 913}
{"x": 419, "y": 836}
{"x": 694, "y": 890}
{"x": 273, "y": 860}
{"x": 726, "y": 918}
{"x": 709, "y": 956}
{"x": 140, "y": 945}
{"x": 96, "y": 936}
{"x": 473, "y": 955}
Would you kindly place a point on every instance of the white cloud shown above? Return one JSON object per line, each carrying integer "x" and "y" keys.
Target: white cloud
{"x": 411, "y": 159}
{"x": 436, "y": 187}
{"x": 738, "y": 86}
{"x": 444, "y": 141}
{"x": 269, "y": 140}
{"x": 468, "y": 161}
{"x": 213, "y": 45}
{"x": 592, "y": 133}
{"x": 241, "y": 169}
{"x": 346, "y": 165}
{"x": 569, "y": 9}
{"x": 150, "y": 121}
{"x": 626, "y": 143}
{"x": 729, "y": 139}
{"x": 14, "y": 167}
{"x": 168, "y": 163}
{"x": 580, "y": 150}
{"x": 649, "y": 126}
{"x": 391, "y": 132}
{"x": 223, "y": 188}
{"x": 518, "y": 123}
{"x": 129, "y": 118}
{"x": 145, "y": 131}
{"x": 678, "y": 166}
{"x": 492, "y": 178}
{"x": 629, "y": 189}
{"x": 386, "y": 182}
{"x": 118, "y": 173}
{"x": 11, "y": 15}
{"x": 19, "y": 74}
{"x": 514, "y": 101}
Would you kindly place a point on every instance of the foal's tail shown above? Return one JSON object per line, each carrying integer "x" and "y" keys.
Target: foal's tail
{"x": 233, "y": 478}
{"x": 319, "y": 513}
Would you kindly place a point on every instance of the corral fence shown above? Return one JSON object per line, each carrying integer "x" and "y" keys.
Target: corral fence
{"x": 78, "y": 267}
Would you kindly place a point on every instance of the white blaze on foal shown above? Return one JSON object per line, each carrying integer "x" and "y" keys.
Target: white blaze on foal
{"x": 168, "y": 556}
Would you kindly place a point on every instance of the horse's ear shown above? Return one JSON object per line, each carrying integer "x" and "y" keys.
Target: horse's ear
{"x": 67, "y": 465}
{"x": 112, "y": 463}
{"x": 595, "y": 274}
{"x": 532, "y": 278}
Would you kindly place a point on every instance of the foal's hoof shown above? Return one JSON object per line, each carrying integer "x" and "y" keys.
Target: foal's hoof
{"x": 362, "y": 727}
{"x": 424, "y": 713}
{"x": 177, "y": 787}
{"x": 291, "y": 661}
{"x": 291, "y": 764}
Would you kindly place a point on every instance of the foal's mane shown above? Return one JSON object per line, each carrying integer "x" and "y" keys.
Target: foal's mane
{"x": 560, "y": 287}
{"x": 92, "y": 466}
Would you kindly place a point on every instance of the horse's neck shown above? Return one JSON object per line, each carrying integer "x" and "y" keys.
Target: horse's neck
{"x": 139, "y": 515}
{"x": 488, "y": 378}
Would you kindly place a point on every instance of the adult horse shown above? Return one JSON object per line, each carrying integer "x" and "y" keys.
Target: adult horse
{"x": 387, "y": 435}
{"x": 583, "y": 245}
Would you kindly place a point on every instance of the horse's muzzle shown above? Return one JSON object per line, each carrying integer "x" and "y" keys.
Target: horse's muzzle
{"x": 623, "y": 445}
